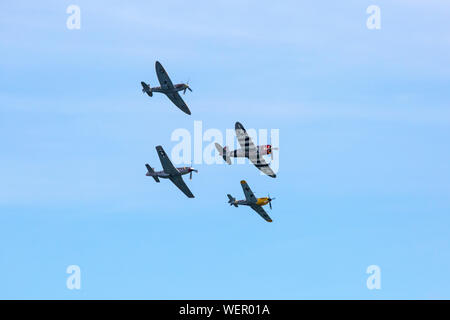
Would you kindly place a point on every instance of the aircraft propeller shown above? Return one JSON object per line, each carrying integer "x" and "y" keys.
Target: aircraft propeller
{"x": 272, "y": 149}
{"x": 187, "y": 87}
{"x": 190, "y": 174}
{"x": 270, "y": 201}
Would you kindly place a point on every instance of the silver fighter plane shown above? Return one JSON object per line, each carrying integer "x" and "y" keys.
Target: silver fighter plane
{"x": 170, "y": 90}
{"x": 251, "y": 201}
{"x": 170, "y": 172}
{"x": 248, "y": 150}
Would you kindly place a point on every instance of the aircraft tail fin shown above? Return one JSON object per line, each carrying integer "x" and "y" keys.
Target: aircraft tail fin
{"x": 151, "y": 172}
{"x": 223, "y": 153}
{"x": 146, "y": 88}
{"x": 232, "y": 200}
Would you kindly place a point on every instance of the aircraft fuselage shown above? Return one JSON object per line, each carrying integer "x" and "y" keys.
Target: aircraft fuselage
{"x": 149, "y": 90}
{"x": 176, "y": 88}
{"x": 259, "y": 202}
{"x": 162, "y": 174}
{"x": 243, "y": 153}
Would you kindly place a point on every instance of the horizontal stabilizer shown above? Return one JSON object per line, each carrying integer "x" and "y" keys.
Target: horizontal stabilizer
{"x": 151, "y": 172}
{"x": 232, "y": 200}
{"x": 223, "y": 153}
{"x": 146, "y": 88}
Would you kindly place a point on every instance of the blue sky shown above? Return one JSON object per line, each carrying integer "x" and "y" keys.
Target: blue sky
{"x": 364, "y": 122}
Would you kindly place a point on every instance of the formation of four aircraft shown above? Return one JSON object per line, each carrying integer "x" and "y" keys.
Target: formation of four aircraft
{"x": 248, "y": 150}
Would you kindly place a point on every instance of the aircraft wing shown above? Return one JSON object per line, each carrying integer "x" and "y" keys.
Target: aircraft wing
{"x": 178, "y": 101}
{"x": 249, "y": 196}
{"x": 165, "y": 161}
{"x": 178, "y": 181}
{"x": 163, "y": 77}
{"x": 244, "y": 140}
{"x": 261, "y": 212}
{"x": 261, "y": 164}
{"x": 251, "y": 152}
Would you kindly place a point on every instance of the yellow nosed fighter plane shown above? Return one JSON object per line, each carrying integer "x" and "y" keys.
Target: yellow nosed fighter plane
{"x": 251, "y": 201}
